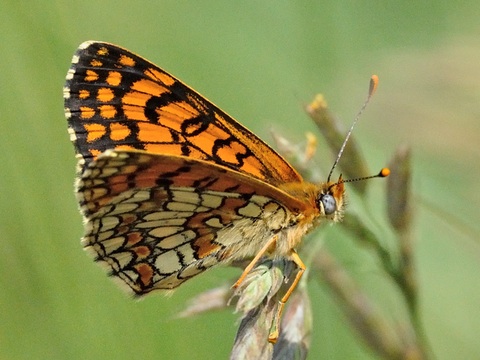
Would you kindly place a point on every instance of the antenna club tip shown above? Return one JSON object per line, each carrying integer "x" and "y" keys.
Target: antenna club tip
{"x": 384, "y": 172}
{"x": 373, "y": 84}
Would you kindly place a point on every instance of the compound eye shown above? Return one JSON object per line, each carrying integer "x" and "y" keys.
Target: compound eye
{"x": 329, "y": 204}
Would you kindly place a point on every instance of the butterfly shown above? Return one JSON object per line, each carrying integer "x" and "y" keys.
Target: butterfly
{"x": 170, "y": 185}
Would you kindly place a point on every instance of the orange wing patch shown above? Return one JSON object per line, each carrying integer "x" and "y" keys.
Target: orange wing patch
{"x": 111, "y": 88}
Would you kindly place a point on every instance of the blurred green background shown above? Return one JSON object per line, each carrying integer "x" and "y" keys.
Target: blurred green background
{"x": 260, "y": 62}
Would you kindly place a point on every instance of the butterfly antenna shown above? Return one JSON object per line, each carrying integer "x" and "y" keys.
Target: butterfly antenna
{"x": 381, "y": 174}
{"x": 371, "y": 91}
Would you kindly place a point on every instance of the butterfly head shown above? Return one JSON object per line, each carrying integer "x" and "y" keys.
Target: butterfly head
{"x": 331, "y": 196}
{"x": 330, "y": 199}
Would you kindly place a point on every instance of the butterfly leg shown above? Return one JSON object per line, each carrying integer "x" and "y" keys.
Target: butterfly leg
{"x": 274, "y": 331}
{"x": 270, "y": 243}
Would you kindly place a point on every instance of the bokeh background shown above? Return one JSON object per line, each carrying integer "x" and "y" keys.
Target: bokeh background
{"x": 261, "y": 62}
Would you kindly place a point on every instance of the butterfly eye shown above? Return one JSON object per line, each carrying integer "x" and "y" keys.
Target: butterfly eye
{"x": 329, "y": 204}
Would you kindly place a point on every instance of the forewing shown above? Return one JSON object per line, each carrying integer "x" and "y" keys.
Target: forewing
{"x": 115, "y": 99}
{"x": 158, "y": 220}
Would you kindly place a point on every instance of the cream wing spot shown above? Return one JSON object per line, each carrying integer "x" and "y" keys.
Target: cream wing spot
{"x": 211, "y": 200}
{"x": 84, "y": 45}
{"x": 113, "y": 244}
{"x": 165, "y": 231}
{"x": 214, "y": 222}
{"x": 173, "y": 241}
{"x": 108, "y": 223}
{"x": 66, "y": 95}
{"x": 185, "y": 197}
{"x": 104, "y": 235}
{"x": 272, "y": 207}
{"x": 118, "y": 261}
{"x": 139, "y": 196}
{"x": 177, "y": 206}
{"x": 168, "y": 262}
{"x": 250, "y": 210}
{"x": 71, "y": 72}
{"x": 123, "y": 208}
{"x": 188, "y": 255}
{"x": 92, "y": 227}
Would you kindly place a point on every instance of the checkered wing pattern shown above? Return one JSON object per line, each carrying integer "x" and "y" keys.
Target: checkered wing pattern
{"x": 115, "y": 99}
{"x": 157, "y": 220}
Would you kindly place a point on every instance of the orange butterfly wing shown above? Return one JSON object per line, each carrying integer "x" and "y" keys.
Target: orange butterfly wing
{"x": 115, "y": 99}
